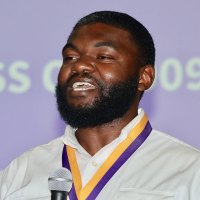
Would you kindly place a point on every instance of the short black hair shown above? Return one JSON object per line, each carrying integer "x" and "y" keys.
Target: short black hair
{"x": 138, "y": 32}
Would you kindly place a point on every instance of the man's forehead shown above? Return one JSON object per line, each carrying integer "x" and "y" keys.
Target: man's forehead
{"x": 101, "y": 35}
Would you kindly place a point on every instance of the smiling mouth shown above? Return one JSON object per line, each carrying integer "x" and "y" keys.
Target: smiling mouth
{"x": 83, "y": 86}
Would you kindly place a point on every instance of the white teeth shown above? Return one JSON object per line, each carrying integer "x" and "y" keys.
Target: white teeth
{"x": 80, "y": 86}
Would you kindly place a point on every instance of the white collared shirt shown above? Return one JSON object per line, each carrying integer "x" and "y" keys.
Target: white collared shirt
{"x": 88, "y": 165}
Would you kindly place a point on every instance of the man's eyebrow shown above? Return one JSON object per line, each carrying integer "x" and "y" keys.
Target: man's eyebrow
{"x": 106, "y": 44}
{"x": 98, "y": 44}
{"x": 69, "y": 46}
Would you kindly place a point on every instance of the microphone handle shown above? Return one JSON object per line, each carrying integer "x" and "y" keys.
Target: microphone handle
{"x": 58, "y": 195}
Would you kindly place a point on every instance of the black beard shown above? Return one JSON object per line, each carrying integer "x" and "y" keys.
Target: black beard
{"x": 113, "y": 102}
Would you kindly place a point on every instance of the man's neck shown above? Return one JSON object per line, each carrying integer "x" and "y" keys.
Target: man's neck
{"x": 92, "y": 139}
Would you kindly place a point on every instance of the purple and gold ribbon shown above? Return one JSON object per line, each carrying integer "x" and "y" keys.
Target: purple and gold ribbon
{"x": 112, "y": 164}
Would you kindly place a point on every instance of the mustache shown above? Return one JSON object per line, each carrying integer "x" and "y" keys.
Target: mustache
{"x": 82, "y": 75}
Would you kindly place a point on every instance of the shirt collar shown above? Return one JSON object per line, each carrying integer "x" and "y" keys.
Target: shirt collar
{"x": 70, "y": 139}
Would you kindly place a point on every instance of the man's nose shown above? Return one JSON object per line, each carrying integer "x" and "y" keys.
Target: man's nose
{"x": 85, "y": 64}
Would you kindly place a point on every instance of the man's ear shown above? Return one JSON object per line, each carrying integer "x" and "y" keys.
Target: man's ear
{"x": 146, "y": 78}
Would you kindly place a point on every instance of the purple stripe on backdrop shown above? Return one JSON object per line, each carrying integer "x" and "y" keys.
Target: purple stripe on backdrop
{"x": 65, "y": 163}
{"x": 120, "y": 161}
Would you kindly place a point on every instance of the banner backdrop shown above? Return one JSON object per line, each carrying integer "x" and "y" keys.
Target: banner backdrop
{"x": 32, "y": 34}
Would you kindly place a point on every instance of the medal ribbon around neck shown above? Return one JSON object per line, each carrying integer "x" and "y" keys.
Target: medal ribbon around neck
{"x": 116, "y": 159}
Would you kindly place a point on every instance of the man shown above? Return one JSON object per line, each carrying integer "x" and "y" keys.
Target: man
{"x": 109, "y": 145}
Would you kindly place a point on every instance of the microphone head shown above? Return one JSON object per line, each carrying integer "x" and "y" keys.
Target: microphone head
{"x": 60, "y": 180}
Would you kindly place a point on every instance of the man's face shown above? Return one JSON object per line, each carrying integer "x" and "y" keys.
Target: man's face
{"x": 99, "y": 75}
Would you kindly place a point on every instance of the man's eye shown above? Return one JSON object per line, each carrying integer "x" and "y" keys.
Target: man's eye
{"x": 66, "y": 58}
{"x": 70, "y": 58}
{"x": 105, "y": 57}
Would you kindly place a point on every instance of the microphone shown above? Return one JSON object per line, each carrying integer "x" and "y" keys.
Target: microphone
{"x": 60, "y": 183}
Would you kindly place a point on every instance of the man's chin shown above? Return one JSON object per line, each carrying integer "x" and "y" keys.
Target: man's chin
{"x": 80, "y": 106}
{"x": 81, "y": 102}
